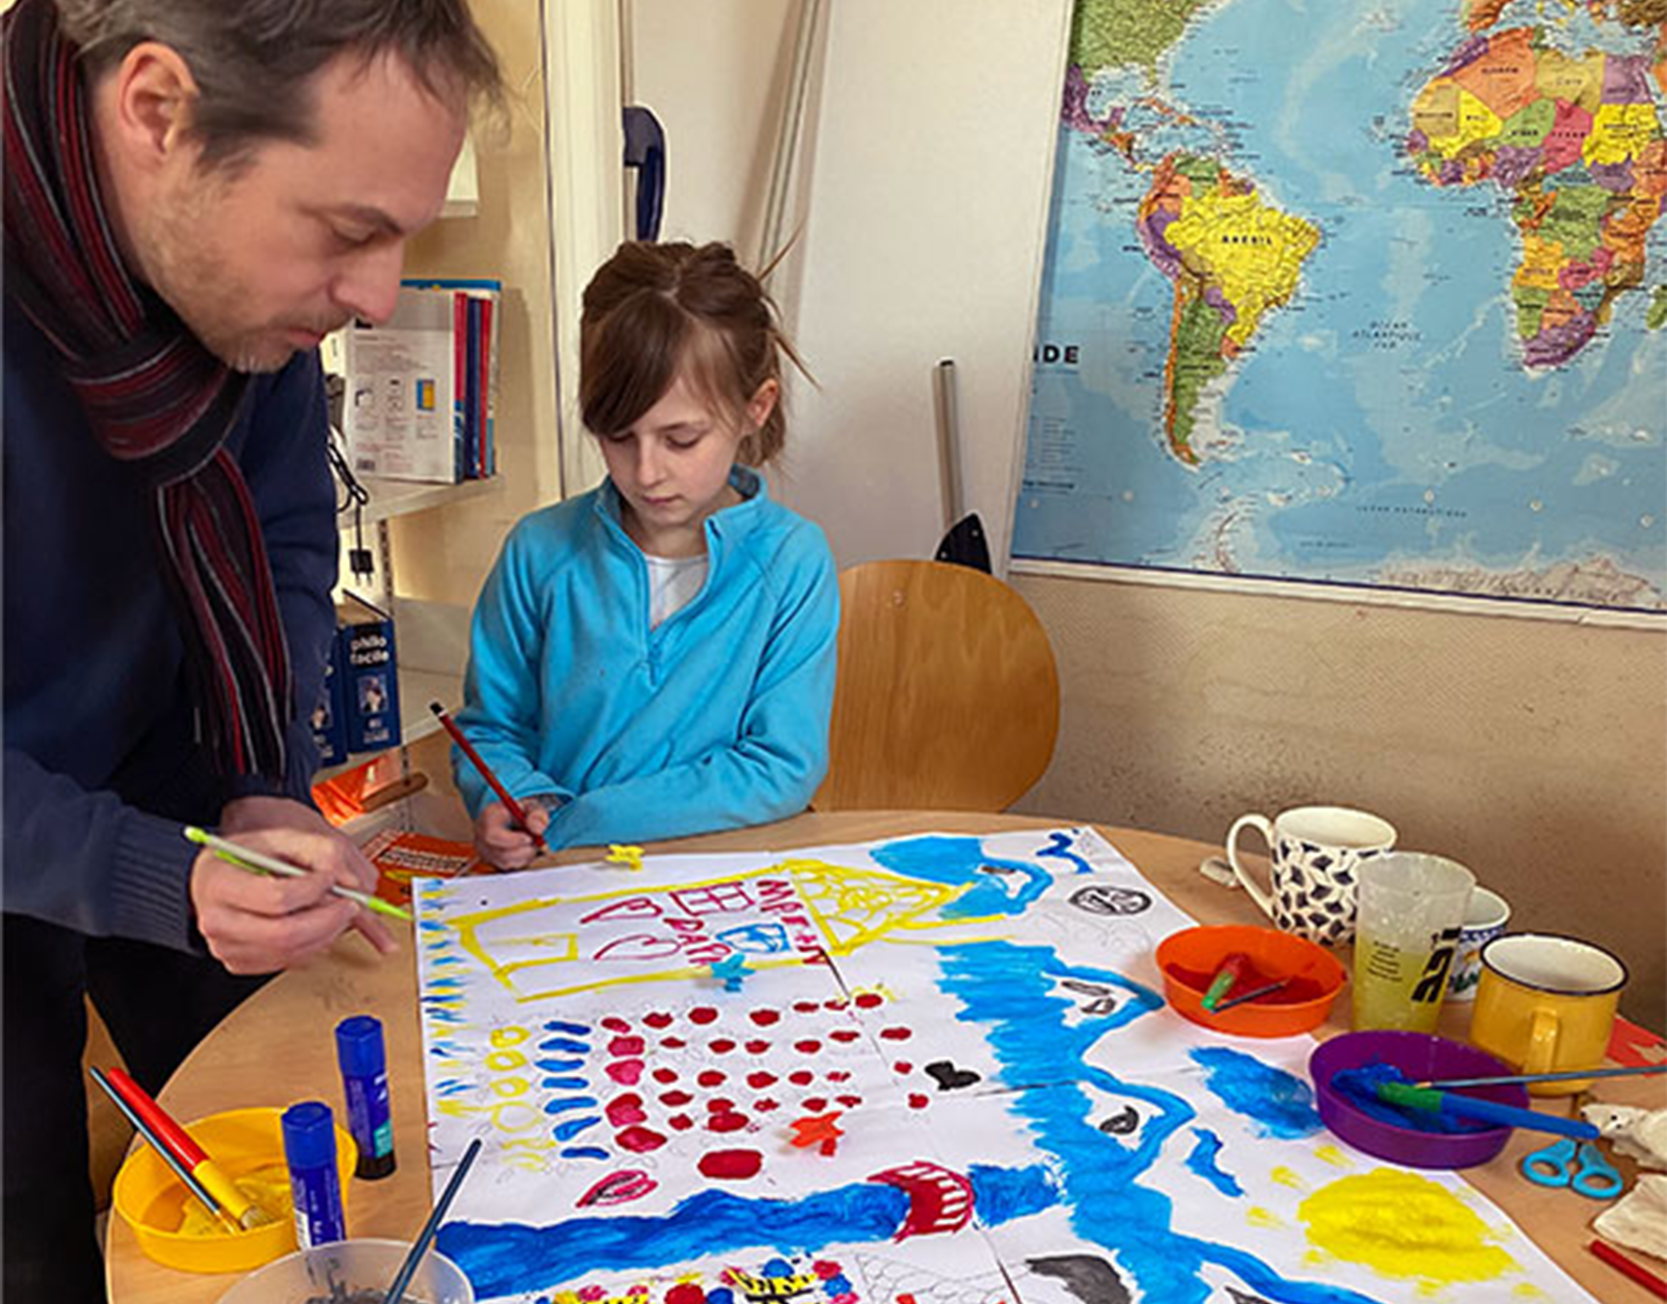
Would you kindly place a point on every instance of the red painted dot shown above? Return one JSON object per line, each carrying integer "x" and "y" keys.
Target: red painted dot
{"x": 719, "y": 1105}
{"x": 839, "y": 1075}
{"x": 814, "y": 1104}
{"x": 722, "y": 1046}
{"x": 764, "y": 1018}
{"x": 845, "y": 1034}
{"x": 639, "y": 1139}
{"x": 625, "y": 1046}
{"x": 917, "y": 1100}
{"x": 896, "y": 1034}
{"x": 727, "y": 1166}
{"x": 710, "y": 1077}
{"x": 659, "y": 1019}
{"x": 823, "y": 1268}
{"x": 682, "y": 1122}
{"x": 757, "y": 1047}
{"x": 686, "y": 1292}
{"x": 903, "y": 1067}
{"x": 675, "y": 1099}
{"x": 625, "y": 1110}
{"x": 806, "y": 1007}
{"x": 870, "y": 1000}
{"x": 726, "y": 1122}
{"x": 809, "y": 1046}
{"x": 850, "y": 1102}
{"x": 837, "y": 1003}
{"x": 703, "y": 1014}
{"x": 626, "y": 1072}
{"x": 613, "y": 1024}
{"x": 758, "y": 1081}
{"x": 673, "y": 1043}
{"x": 764, "y": 1104}
{"x": 665, "y": 1075}
{"x": 801, "y": 1077}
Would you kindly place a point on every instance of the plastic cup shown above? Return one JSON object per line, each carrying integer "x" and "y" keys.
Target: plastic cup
{"x": 352, "y": 1272}
{"x": 1412, "y": 907}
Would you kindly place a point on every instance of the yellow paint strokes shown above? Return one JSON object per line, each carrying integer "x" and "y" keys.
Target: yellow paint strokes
{"x": 535, "y": 948}
{"x": 1333, "y": 1155}
{"x": 629, "y": 856}
{"x": 1257, "y": 1216}
{"x": 1528, "y": 1290}
{"x": 1287, "y": 1177}
{"x": 1403, "y": 1225}
{"x": 1620, "y": 133}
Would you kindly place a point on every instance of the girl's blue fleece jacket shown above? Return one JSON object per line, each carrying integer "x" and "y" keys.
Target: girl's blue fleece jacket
{"x": 716, "y": 719}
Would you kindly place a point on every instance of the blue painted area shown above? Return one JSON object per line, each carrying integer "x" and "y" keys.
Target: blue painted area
{"x": 566, "y": 1045}
{"x": 961, "y": 862}
{"x": 566, "y": 1104}
{"x": 565, "y": 1084}
{"x": 572, "y": 1127}
{"x": 584, "y": 1152}
{"x": 1280, "y": 1103}
{"x": 1202, "y": 1161}
{"x": 560, "y": 1025}
{"x": 558, "y": 1065}
{"x": 1038, "y": 1036}
{"x": 757, "y": 939}
{"x": 1059, "y": 847}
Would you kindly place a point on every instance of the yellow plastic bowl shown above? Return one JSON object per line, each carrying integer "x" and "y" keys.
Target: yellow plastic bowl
{"x": 245, "y": 1143}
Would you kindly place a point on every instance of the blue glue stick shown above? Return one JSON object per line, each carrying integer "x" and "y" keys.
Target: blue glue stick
{"x": 364, "y": 1066}
{"x": 315, "y": 1186}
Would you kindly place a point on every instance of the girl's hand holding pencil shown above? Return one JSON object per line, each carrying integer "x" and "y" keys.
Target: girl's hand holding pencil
{"x": 256, "y": 923}
{"x": 505, "y": 843}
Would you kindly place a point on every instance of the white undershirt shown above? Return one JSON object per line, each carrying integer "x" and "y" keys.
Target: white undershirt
{"x": 672, "y": 584}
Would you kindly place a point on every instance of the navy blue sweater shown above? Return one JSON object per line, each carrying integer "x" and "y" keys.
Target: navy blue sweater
{"x": 101, "y": 762}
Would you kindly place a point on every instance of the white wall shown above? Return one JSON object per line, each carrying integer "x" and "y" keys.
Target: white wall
{"x": 924, "y": 189}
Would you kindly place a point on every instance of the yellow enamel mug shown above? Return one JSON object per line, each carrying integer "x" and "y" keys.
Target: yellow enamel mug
{"x": 1546, "y": 1004}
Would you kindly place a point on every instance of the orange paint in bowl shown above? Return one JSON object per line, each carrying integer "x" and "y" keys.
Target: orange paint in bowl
{"x": 1313, "y": 978}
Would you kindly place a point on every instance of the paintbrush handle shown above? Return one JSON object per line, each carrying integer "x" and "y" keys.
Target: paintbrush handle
{"x": 1570, "y": 1075}
{"x": 234, "y": 853}
{"x": 1487, "y": 1111}
{"x": 142, "y": 1126}
{"x": 426, "y": 1237}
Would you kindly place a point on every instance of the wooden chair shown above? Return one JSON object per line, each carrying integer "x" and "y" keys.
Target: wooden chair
{"x": 947, "y": 697}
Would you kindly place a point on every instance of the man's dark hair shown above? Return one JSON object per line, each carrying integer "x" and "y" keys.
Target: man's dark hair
{"x": 255, "y": 60}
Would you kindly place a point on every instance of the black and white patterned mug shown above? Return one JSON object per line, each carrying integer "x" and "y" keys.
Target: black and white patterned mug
{"x": 1315, "y": 853}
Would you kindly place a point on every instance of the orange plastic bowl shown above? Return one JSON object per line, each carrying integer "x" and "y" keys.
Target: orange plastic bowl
{"x": 1190, "y": 958}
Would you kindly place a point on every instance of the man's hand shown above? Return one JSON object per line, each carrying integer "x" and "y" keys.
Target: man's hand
{"x": 256, "y": 924}
{"x": 501, "y": 842}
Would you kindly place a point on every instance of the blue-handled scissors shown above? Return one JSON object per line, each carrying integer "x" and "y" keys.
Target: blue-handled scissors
{"x": 1581, "y": 1167}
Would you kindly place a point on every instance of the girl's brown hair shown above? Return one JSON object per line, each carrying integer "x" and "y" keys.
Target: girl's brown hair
{"x": 652, "y": 309}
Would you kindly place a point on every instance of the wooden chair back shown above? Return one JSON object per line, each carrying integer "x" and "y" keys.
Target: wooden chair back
{"x": 947, "y": 696}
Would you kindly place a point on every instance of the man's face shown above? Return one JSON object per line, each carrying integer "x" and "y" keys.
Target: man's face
{"x": 264, "y": 259}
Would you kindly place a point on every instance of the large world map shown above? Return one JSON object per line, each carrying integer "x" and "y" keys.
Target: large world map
{"x": 1359, "y": 293}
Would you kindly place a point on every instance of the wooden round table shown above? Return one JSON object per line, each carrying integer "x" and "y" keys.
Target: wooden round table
{"x": 278, "y": 1047}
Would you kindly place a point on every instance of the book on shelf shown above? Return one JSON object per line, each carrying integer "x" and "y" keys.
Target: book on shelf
{"x": 421, "y": 387}
{"x": 329, "y": 717}
{"x": 367, "y": 665}
{"x": 400, "y": 857}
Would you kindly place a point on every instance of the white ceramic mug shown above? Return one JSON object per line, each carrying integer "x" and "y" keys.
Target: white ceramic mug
{"x": 1483, "y": 921}
{"x": 1315, "y": 852}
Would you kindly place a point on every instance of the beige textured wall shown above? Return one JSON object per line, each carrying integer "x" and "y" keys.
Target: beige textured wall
{"x": 1533, "y": 751}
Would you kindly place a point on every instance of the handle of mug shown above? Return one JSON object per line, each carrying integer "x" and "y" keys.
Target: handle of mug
{"x": 1542, "y": 1043}
{"x": 1264, "y": 825}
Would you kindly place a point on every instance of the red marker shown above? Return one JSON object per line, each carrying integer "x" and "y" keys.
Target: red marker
{"x": 1637, "y": 1271}
{"x": 510, "y": 804}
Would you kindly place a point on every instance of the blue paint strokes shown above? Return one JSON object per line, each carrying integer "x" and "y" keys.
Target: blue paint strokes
{"x": 565, "y": 1083}
{"x": 961, "y": 862}
{"x": 1059, "y": 847}
{"x": 1202, "y": 1161}
{"x": 432, "y": 926}
{"x": 1279, "y": 1102}
{"x": 559, "y": 1025}
{"x": 584, "y": 1152}
{"x": 558, "y": 1065}
{"x": 572, "y": 1127}
{"x": 568, "y": 1103}
{"x": 565, "y": 1044}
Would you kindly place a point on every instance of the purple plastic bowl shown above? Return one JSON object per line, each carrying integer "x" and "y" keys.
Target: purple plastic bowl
{"x": 1420, "y": 1057}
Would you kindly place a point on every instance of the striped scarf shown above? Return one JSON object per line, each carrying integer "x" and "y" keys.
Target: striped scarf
{"x": 154, "y": 397}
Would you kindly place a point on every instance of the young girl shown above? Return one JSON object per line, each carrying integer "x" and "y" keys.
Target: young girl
{"x": 655, "y": 658}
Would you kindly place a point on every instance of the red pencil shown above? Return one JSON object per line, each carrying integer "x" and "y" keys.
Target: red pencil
{"x": 510, "y": 804}
{"x": 1637, "y": 1271}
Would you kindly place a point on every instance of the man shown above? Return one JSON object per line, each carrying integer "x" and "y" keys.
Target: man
{"x": 196, "y": 191}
